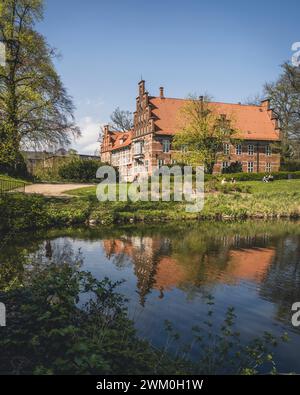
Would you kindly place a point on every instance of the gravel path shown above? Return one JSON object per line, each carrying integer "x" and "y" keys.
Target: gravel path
{"x": 53, "y": 189}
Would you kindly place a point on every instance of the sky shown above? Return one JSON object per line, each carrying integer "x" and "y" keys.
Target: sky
{"x": 226, "y": 48}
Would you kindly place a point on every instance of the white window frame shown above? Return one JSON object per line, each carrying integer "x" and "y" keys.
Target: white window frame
{"x": 268, "y": 150}
{"x": 166, "y": 146}
{"x": 251, "y": 150}
{"x": 268, "y": 167}
{"x": 160, "y": 162}
{"x": 238, "y": 149}
{"x": 250, "y": 167}
{"x": 225, "y": 164}
{"x": 226, "y": 149}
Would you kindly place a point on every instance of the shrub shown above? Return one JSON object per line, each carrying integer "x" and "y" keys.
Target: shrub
{"x": 282, "y": 175}
{"x": 79, "y": 170}
{"x": 234, "y": 167}
{"x": 227, "y": 188}
{"x": 290, "y": 165}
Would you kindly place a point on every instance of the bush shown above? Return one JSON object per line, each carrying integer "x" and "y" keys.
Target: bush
{"x": 21, "y": 212}
{"x": 228, "y": 188}
{"x": 234, "y": 167}
{"x": 281, "y": 175}
{"x": 290, "y": 165}
{"x": 80, "y": 170}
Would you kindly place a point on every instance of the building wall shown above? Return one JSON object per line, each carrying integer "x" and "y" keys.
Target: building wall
{"x": 262, "y": 162}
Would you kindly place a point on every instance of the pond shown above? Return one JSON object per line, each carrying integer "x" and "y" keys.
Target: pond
{"x": 169, "y": 270}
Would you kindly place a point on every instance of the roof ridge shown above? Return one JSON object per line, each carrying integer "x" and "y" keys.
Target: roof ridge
{"x": 216, "y": 102}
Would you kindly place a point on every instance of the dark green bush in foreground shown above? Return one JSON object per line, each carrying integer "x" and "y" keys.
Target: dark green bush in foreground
{"x": 80, "y": 170}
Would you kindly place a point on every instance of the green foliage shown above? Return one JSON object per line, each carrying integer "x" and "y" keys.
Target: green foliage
{"x": 284, "y": 97}
{"x": 49, "y": 333}
{"x": 51, "y": 172}
{"x": 230, "y": 187}
{"x": 281, "y": 175}
{"x": 79, "y": 170}
{"x": 202, "y": 135}
{"x": 234, "y": 167}
{"x": 20, "y": 212}
{"x": 290, "y": 165}
{"x": 35, "y": 107}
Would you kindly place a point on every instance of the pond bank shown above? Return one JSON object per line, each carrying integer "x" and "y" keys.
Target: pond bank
{"x": 21, "y": 212}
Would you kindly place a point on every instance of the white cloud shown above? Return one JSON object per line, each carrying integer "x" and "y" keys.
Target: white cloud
{"x": 88, "y": 142}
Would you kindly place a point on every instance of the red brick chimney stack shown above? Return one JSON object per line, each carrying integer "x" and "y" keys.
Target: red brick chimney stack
{"x": 161, "y": 92}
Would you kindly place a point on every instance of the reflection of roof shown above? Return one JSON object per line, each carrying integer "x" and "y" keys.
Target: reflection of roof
{"x": 168, "y": 274}
{"x": 245, "y": 264}
{"x": 249, "y": 264}
{"x": 254, "y": 122}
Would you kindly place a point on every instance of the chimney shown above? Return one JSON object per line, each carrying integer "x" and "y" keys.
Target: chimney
{"x": 265, "y": 104}
{"x": 141, "y": 87}
{"x": 161, "y": 92}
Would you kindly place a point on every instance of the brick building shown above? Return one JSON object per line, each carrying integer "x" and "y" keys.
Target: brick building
{"x": 149, "y": 145}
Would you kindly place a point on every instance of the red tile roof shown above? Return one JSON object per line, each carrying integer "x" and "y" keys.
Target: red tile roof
{"x": 253, "y": 122}
{"x": 122, "y": 139}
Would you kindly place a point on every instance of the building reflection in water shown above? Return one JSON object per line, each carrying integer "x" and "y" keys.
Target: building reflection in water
{"x": 162, "y": 264}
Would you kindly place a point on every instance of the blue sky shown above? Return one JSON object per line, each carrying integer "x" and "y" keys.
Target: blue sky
{"x": 226, "y": 48}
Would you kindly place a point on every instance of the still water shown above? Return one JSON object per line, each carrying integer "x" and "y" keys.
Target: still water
{"x": 169, "y": 270}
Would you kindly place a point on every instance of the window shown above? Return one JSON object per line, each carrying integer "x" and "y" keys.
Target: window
{"x": 166, "y": 145}
{"x": 225, "y": 165}
{"x": 268, "y": 167}
{"x": 250, "y": 149}
{"x": 238, "y": 149}
{"x": 226, "y": 149}
{"x": 160, "y": 162}
{"x": 268, "y": 150}
{"x": 138, "y": 147}
{"x": 147, "y": 164}
{"x": 250, "y": 167}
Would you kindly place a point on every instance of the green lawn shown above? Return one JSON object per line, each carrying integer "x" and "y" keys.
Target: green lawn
{"x": 8, "y": 178}
{"x": 83, "y": 192}
{"x": 277, "y": 186}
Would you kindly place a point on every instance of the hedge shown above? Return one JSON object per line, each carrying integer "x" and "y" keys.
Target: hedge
{"x": 281, "y": 175}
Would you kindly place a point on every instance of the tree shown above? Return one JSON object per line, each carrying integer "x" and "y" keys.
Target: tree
{"x": 121, "y": 120}
{"x": 35, "y": 108}
{"x": 284, "y": 95}
{"x": 202, "y": 135}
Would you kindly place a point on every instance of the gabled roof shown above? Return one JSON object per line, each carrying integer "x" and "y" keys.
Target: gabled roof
{"x": 121, "y": 139}
{"x": 253, "y": 122}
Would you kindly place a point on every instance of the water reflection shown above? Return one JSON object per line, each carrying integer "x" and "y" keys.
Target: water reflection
{"x": 167, "y": 263}
{"x": 254, "y": 267}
